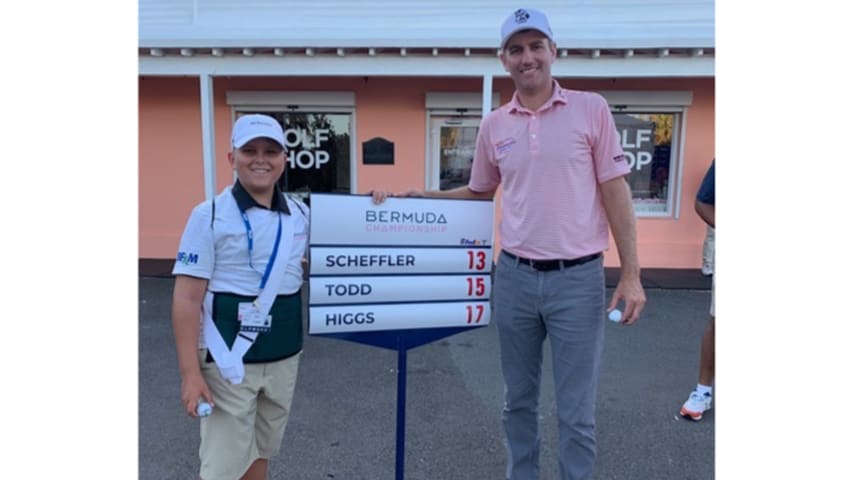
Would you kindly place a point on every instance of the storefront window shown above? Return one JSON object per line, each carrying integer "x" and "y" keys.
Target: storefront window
{"x": 451, "y": 151}
{"x": 318, "y": 158}
{"x": 456, "y": 153}
{"x": 647, "y": 140}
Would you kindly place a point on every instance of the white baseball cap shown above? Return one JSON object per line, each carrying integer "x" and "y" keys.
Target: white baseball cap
{"x": 525, "y": 19}
{"x": 250, "y": 127}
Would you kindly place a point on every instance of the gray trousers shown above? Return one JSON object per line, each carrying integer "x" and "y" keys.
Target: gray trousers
{"x": 568, "y": 305}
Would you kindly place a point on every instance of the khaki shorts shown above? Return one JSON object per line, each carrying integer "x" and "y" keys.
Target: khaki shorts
{"x": 712, "y": 308}
{"x": 248, "y": 420}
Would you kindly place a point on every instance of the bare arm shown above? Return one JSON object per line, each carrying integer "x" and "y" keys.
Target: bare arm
{"x": 187, "y": 300}
{"x": 617, "y": 199}
{"x": 706, "y": 212}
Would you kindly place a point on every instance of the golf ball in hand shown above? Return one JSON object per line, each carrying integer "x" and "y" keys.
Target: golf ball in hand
{"x": 615, "y": 315}
{"x": 204, "y": 409}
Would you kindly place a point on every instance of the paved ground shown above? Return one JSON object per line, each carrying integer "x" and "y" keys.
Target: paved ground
{"x": 342, "y": 424}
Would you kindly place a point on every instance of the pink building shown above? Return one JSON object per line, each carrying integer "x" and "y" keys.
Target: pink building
{"x": 381, "y": 94}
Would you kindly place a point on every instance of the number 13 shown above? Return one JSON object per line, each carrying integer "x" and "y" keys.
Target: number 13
{"x": 477, "y": 260}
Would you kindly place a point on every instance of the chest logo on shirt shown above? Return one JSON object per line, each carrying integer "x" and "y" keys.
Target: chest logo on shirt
{"x": 504, "y": 146}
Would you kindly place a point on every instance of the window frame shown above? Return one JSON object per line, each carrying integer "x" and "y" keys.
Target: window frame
{"x": 436, "y": 123}
{"x": 655, "y": 102}
{"x": 446, "y": 105}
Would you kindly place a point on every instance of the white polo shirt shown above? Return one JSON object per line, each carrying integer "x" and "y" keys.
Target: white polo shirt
{"x": 221, "y": 254}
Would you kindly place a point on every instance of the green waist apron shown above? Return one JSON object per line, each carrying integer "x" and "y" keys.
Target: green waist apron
{"x": 282, "y": 341}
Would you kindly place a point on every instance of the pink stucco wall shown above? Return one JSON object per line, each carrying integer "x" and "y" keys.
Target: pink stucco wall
{"x": 171, "y": 178}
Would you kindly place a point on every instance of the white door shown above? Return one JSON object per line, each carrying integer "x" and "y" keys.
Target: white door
{"x": 452, "y": 142}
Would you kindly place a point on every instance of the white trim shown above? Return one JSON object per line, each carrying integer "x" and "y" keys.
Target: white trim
{"x": 208, "y": 135}
{"x": 648, "y": 98}
{"x": 677, "y": 207}
{"x": 285, "y": 99}
{"x": 355, "y": 153}
{"x": 420, "y": 66}
{"x": 675, "y": 189}
{"x": 427, "y": 148}
{"x": 487, "y": 94}
{"x": 454, "y": 100}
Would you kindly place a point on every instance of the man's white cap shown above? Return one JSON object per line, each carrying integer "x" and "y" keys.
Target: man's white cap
{"x": 525, "y": 19}
{"x": 250, "y": 127}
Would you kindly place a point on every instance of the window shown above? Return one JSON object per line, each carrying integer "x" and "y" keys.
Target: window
{"x": 318, "y": 146}
{"x": 453, "y": 119}
{"x": 651, "y": 128}
{"x": 647, "y": 140}
{"x": 318, "y": 130}
{"x": 453, "y": 142}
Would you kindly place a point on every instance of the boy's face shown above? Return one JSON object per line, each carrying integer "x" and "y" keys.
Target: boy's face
{"x": 528, "y": 58}
{"x": 259, "y": 164}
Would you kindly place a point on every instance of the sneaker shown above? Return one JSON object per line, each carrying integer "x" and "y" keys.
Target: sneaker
{"x": 696, "y": 404}
{"x": 707, "y": 270}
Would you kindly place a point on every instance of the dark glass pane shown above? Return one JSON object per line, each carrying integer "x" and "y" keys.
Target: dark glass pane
{"x": 455, "y": 155}
{"x": 646, "y": 139}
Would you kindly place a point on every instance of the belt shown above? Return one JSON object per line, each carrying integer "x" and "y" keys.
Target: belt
{"x": 548, "y": 265}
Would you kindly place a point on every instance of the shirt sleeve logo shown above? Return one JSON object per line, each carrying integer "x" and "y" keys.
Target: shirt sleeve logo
{"x": 188, "y": 258}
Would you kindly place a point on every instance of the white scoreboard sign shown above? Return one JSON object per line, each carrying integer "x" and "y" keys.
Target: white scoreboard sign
{"x": 404, "y": 264}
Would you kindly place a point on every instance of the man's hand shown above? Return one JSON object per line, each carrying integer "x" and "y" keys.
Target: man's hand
{"x": 630, "y": 291}
{"x": 379, "y": 196}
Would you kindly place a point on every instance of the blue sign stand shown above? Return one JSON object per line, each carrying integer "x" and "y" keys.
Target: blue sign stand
{"x": 400, "y": 340}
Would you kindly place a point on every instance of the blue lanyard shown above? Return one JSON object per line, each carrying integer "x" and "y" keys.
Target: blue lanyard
{"x": 249, "y": 239}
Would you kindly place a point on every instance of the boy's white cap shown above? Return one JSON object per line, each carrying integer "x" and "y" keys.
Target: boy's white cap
{"x": 525, "y": 19}
{"x": 250, "y": 127}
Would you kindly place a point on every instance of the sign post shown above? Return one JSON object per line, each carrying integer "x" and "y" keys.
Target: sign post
{"x": 398, "y": 275}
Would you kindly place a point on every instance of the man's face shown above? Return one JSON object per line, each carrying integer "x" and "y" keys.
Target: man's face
{"x": 528, "y": 58}
{"x": 259, "y": 164}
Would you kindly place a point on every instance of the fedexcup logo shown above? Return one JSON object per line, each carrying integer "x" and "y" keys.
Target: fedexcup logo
{"x": 521, "y": 16}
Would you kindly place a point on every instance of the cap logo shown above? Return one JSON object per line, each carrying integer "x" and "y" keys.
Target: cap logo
{"x": 521, "y": 16}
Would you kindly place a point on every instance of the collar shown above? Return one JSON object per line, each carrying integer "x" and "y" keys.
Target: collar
{"x": 245, "y": 201}
{"x": 557, "y": 97}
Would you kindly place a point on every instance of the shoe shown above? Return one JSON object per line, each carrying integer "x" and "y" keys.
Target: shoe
{"x": 696, "y": 404}
{"x": 707, "y": 270}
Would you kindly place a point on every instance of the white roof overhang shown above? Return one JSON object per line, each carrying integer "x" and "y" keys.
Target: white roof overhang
{"x": 611, "y": 38}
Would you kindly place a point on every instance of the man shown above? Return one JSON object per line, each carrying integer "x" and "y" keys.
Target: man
{"x": 239, "y": 271}
{"x": 557, "y": 155}
{"x": 700, "y": 399}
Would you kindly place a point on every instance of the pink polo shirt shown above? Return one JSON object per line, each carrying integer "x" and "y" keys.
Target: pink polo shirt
{"x": 551, "y": 163}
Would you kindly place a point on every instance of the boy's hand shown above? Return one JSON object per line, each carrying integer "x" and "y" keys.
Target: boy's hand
{"x": 193, "y": 387}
